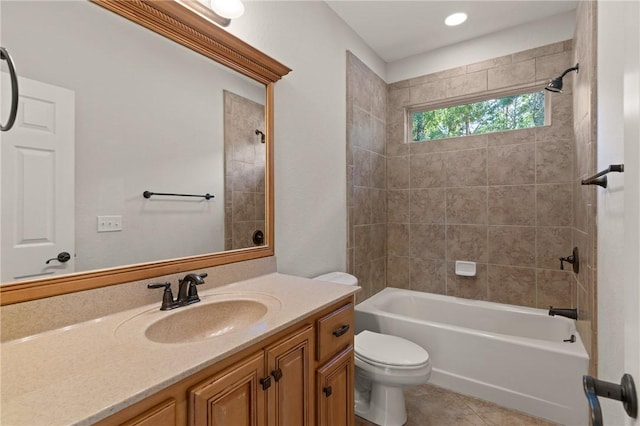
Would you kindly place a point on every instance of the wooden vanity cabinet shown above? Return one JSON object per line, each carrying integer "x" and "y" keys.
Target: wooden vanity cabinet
{"x": 335, "y": 372}
{"x": 279, "y": 381}
{"x": 273, "y": 387}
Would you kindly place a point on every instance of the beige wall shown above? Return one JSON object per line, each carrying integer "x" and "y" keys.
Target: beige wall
{"x": 366, "y": 177}
{"x": 584, "y": 225}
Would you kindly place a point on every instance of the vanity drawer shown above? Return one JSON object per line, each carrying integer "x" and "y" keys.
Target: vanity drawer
{"x": 335, "y": 332}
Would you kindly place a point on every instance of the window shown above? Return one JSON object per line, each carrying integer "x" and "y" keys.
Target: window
{"x": 492, "y": 115}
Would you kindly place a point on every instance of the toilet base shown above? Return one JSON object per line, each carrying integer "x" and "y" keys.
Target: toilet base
{"x": 386, "y": 406}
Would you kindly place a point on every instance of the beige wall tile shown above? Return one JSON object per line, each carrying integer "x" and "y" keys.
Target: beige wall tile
{"x": 511, "y": 75}
{"x": 378, "y": 136}
{"x": 379, "y": 241}
{"x": 361, "y": 206}
{"x": 512, "y": 205}
{"x": 360, "y": 132}
{"x": 427, "y": 241}
{"x": 466, "y": 168}
{"x": 449, "y": 144}
{"x": 440, "y": 75}
{"x": 378, "y": 97}
{"x": 553, "y": 204}
{"x": 554, "y": 289}
{"x": 398, "y": 206}
{"x": 362, "y": 167}
{"x": 397, "y": 85}
{"x": 397, "y": 99}
{"x": 581, "y": 202}
{"x": 466, "y": 84}
{"x": 427, "y": 170}
{"x": 467, "y": 242}
{"x": 428, "y": 92}
{"x": 551, "y": 244}
{"x": 515, "y": 286}
{"x": 378, "y": 205}
{"x": 512, "y": 137}
{"x": 512, "y": 245}
{"x": 398, "y": 239}
{"x": 399, "y": 272}
{"x": 467, "y": 287}
{"x": 554, "y": 161}
{"x": 539, "y": 51}
{"x": 491, "y": 63}
{"x": 551, "y": 66}
{"x": 511, "y": 164}
{"x": 378, "y": 171}
{"x": 398, "y": 172}
{"x": 396, "y": 146}
{"x": 467, "y": 205}
{"x": 363, "y": 244}
{"x": 427, "y": 205}
{"x": 428, "y": 275}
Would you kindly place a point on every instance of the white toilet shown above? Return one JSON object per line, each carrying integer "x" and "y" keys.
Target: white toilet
{"x": 385, "y": 365}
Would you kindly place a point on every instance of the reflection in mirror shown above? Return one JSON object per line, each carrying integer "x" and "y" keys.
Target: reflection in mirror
{"x": 244, "y": 148}
{"x": 109, "y": 110}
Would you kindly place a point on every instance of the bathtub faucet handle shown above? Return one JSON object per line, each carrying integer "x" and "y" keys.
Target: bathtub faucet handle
{"x": 574, "y": 260}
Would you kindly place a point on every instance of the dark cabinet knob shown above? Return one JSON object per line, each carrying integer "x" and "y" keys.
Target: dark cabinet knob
{"x": 62, "y": 257}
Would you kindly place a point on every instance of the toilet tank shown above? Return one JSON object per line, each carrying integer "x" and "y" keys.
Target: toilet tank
{"x": 338, "y": 277}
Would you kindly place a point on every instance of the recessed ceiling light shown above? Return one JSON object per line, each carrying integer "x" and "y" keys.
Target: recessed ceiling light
{"x": 455, "y": 19}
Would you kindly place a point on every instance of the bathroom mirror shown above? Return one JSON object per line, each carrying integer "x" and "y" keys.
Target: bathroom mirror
{"x": 185, "y": 109}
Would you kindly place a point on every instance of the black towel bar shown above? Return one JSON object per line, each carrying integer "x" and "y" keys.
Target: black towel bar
{"x": 148, "y": 194}
{"x": 600, "y": 179}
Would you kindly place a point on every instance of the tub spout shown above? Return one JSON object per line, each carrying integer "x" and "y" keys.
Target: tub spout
{"x": 563, "y": 312}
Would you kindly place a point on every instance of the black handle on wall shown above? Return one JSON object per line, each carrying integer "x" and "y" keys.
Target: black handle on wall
{"x": 624, "y": 392}
{"x": 4, "y": 55}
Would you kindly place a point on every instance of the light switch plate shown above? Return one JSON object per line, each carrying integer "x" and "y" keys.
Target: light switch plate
{"x": 109, "y": 223}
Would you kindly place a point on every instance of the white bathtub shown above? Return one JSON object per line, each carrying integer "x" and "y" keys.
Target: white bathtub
{"x": 511, "y": 355}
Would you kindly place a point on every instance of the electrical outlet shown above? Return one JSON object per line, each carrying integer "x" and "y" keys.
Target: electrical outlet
{"x": 109, "y": 223}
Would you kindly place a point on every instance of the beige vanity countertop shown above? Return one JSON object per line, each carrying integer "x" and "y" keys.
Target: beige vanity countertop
{"x": 84, "y": 373}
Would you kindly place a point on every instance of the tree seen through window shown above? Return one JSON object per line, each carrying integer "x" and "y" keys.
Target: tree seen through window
{"x": 493, "y": 115}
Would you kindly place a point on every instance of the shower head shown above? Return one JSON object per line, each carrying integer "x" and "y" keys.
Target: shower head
{"x": 555, "y": 85}
{"x": 261, "y": 134}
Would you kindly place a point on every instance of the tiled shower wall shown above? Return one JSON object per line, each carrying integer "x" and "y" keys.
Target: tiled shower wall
{"x": 503, "y": 200}
{"x": 244, "y": 164}
{"x": 584, "y": 124}
{"x": 366, "y": 177}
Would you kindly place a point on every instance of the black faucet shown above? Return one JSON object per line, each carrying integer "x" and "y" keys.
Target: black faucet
{"x": 563, "y": 312}
{"x": 187, "y": 292}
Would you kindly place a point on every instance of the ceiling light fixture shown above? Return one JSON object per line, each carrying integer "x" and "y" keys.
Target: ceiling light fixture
{"x": 230, "y": 9}
{"x": 455, "y": 19}
{"x": 220, "y": 12}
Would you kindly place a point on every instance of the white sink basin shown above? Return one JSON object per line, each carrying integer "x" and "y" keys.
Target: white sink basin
{"x": 214, "y": 316}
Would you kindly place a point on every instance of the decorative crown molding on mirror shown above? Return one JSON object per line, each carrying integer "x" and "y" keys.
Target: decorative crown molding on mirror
{"x": 174, "y": 20}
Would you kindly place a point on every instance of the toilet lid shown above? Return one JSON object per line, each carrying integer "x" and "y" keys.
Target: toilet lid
{"x": 389, "y": 350}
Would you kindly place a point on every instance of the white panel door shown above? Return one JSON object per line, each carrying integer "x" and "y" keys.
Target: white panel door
{"x": 38, "y": 190}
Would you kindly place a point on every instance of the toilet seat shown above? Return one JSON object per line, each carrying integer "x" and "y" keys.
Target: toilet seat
{"x": 384, "y": 350}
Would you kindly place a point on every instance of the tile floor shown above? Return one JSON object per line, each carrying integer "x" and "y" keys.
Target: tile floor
{"x": 429, "y": 405}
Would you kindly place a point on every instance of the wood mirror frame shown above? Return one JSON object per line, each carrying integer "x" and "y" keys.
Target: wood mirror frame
{"x": 170, "y": 18}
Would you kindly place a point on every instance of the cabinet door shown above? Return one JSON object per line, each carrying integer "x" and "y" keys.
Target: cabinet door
{"x": 160, "y": 415}
{"x": 289, "y": 364}
{"x": 232, "y": 397}
{"x": 335, "y": 390}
